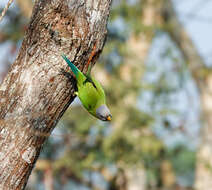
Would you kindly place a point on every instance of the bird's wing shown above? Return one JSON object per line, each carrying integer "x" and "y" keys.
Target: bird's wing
{"x": 89, "y": 79}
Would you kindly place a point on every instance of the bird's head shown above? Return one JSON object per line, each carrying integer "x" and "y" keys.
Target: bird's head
{"x": 103, "y": 113}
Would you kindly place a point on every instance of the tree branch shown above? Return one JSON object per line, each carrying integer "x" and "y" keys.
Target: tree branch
{"x": 183, "y": 41}
{"x": 5, "y": 9}
{"x": 35, "y": 93}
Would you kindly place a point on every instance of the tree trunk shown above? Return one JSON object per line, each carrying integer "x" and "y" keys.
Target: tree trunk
{"x": 204, "y": 154}
{"x": 36, "y": 91}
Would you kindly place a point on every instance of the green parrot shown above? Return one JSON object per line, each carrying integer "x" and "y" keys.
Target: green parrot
{"x": 90, "y": 93}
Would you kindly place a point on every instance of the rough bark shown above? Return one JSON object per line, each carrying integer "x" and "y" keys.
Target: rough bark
{"x": 36, "y": 91}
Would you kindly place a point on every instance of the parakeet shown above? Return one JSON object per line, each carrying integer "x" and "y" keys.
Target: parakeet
{"x": 90, "y": 93}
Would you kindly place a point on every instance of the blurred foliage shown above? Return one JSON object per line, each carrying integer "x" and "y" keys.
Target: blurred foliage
{"x": 14, "y": 26}
{"x": 85, "y": 145}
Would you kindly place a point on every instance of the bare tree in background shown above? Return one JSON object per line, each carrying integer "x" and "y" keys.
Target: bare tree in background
{"x": 36, "y": 92}
{"x": 161, "y": 13}
{"x": 203, "y": 78}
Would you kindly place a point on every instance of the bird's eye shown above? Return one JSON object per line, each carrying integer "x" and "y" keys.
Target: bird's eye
{"x": 103, "y": 118}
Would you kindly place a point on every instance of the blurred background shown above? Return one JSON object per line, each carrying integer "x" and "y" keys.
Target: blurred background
{"x": 156, "y": 70}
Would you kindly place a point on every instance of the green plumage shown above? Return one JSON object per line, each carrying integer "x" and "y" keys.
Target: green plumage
{"x": 90, "y": 93}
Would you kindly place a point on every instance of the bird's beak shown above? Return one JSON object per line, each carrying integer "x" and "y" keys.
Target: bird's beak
{"x": 109, "y": 118}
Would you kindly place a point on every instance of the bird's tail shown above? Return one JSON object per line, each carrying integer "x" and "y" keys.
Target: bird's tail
{"x": 74, "y": 69}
